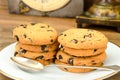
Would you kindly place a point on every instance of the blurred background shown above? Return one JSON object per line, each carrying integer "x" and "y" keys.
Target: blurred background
{"x": 8, "y": 21}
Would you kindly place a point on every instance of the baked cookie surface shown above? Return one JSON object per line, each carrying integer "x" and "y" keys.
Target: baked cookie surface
{"x": 35, "y": 55}
{"x": 82, "y": 39}
{"x": 83, "y": 52}
{"x": 72, "y": 60}
{"x": 35, "y": 34}
{"x": 40, "y": 48}
{"x": 76, "y": 70}
{"x": 42, "y": 61}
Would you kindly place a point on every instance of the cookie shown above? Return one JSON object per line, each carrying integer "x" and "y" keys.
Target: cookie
{"x": 40, "y": 48}
{"x": 42, "y": 61}
{"x": 83, "y": 39}
{"x": 35, "y": 34}
{"x": 45, "y": 62}
{"x": 72, "y": 60}
{"x": 35, "y": 55}
{"x": 76, "y": 70}
{"x": 83, "y": 52}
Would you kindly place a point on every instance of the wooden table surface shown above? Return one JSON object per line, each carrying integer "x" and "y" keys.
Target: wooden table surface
{"x": 10, "y": 21}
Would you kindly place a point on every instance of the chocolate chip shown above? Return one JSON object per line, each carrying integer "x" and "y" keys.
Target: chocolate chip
{"x": 61, "y": 34}
{"x": 23, "y": 51}
{"x": 75, "y": 41}
{"x": 42, "y": 26}
{"x": 16, "y": 37}
{"x": 89, "y": 35}
{"x": 33, "y": 23}
{"x": 95, "y": 50}
{"x": 70, "y": 61}
{"x": 94, "y": 63}
{"x": 48, "y": 26}
{"x": 20, "y": 48}
{"x": 60, "y": 57}
{"x": 24, "y": 35}
{"x": 65, "y": 34}
{"x": 49, "y": 30}
{"x": 66, "y": 69}
{"x": 43, "y": 48}
{"x": 48, "y": 60}
{"x": 84, "y": 64}
{"x": 15, "y": 53}
{"x": 54, "y": 56}
{"x": 39, "y": 57}
{"x": 24, "y": 25}
{"x": 84, "y": 36}
{"x": 51, "y": 40}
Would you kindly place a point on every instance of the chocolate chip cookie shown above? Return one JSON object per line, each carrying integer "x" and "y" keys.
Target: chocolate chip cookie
{"x": 40, "y": 48}
{"x": 35, "y": 55}
{"x": 72, "y": 60}
{"x": 42, "y": 61}
{"x": 35, "y": 34}
{"x": 83, "y": 52}
{"x": 76, "y": 70}
{"x": 83, "y": 39}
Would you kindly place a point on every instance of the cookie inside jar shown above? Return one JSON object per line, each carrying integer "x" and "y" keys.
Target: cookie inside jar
{"x": 105, "y": 9}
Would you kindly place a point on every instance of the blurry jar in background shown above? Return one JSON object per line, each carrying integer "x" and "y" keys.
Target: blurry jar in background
{"x": 105, "y": 9}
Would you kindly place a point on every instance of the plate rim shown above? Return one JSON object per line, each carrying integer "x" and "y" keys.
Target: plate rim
{"x": 17, "y": 78}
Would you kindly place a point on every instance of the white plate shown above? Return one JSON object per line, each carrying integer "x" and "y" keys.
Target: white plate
{"x": 53, "y": 73}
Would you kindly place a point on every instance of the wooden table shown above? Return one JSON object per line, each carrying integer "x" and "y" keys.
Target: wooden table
{"x": 10, "y": 21}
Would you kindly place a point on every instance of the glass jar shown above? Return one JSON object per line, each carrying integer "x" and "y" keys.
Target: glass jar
{"x": 105, "y": 9}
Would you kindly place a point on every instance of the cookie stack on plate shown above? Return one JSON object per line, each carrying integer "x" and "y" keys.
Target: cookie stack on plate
{"x": 36, "y": 41}
{"x": 81, "y": 47}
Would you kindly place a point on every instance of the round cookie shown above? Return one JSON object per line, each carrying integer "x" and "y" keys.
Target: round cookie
{"x": 40, "y": 48}
{"x": 83, "y": 39}
{"x": 42, "y": 61}
{"x": 83, "y": 52}
{"x": 45, "y": 62}
{"x": 92, "y": 60}
{"x": 35, "y": 55}
{"x": 76, "y": 70}
{"x": 35, "y": 34}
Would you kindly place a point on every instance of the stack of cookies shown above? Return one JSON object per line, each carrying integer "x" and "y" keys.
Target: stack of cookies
{"x": 36, "y": 41}
{"x": 81, "y": 47}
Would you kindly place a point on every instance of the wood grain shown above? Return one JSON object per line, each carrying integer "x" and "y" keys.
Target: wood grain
{"x": 10, "y": 21}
